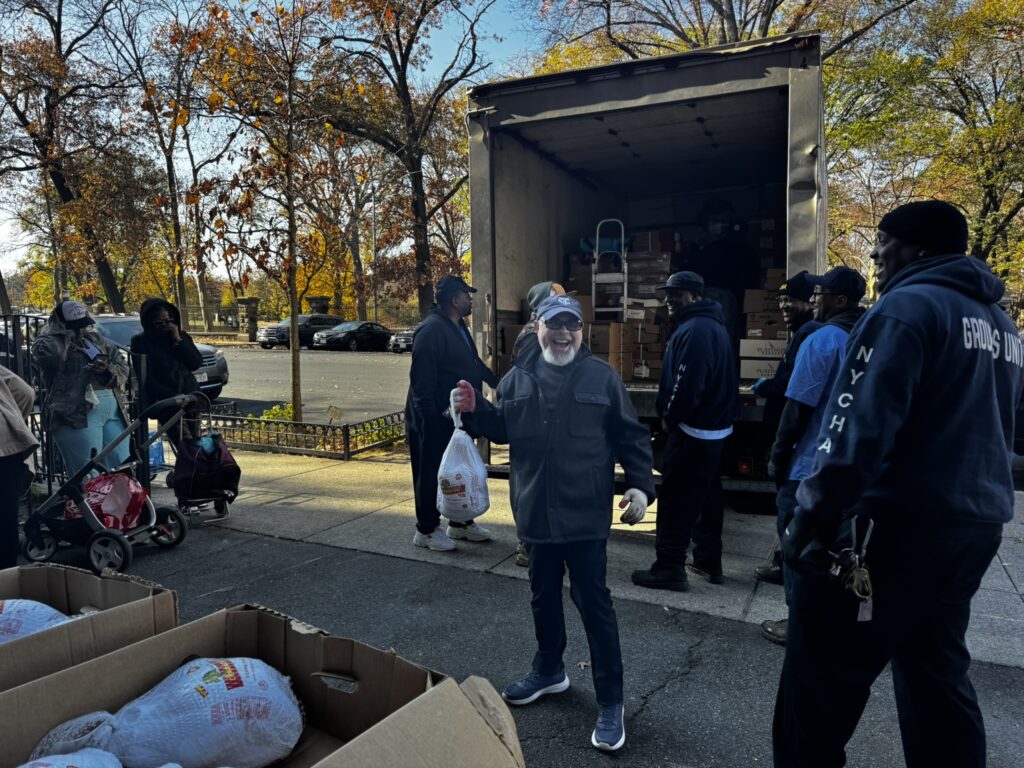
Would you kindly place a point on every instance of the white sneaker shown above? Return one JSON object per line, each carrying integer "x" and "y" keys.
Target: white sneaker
{"x": 471, "y": 532}
{"x": 437, "y": 541}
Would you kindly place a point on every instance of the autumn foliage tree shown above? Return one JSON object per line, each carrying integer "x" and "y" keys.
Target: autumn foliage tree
{"x": 383, "y": 47}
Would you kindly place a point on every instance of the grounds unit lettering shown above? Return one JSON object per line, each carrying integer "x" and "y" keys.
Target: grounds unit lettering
{"x": 979, "y": 334}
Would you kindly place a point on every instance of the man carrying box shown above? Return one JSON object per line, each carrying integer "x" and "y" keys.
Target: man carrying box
{"x": 567, "y": 419}
{"x": 698, "y": 399}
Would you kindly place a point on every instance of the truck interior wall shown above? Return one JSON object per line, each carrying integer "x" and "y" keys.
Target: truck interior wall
{"x": 540, "y": 214}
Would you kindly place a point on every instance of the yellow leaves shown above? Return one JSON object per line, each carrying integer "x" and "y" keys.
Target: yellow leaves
{"x": 361, "y": 90}
{"x": 232, "y": 51}
{"x": 219, "y": 224}
{"x": 214, "y": 101}
{"x": 182, "y": 118}
{"x": 328, "y": 127}
{"x": 255, "y": 103}
{"x": 280, "y": 10}
{"x": 278, "y": 98}
{"x": 256, "y": 123}
{"x": 225, "y": 79}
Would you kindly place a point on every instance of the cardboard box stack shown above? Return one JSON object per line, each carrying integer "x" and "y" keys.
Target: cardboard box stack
{"x": 363, "y": 706}
{"x": 633, "y": 349}
{"x": 766, "y": 335}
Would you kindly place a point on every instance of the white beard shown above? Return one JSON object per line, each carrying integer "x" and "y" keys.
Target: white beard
{"x": 553, "y": 358}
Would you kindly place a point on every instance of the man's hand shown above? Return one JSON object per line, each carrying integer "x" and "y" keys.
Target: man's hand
{"x": 464, "y": 397}
{"x": 634, "y": 501}
{"x": 174, "y": 332}
{"x": 795, "y": 538}
{"x": 758, "y": 384}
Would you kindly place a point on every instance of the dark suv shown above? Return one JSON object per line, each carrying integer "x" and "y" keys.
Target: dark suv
{"x": 271, "y": 335}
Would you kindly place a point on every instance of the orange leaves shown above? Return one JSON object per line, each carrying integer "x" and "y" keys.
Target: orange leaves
{"x": 214, "y": 101}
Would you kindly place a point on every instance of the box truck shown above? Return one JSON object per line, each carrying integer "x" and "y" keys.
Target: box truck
{"x": 608, "y": 178}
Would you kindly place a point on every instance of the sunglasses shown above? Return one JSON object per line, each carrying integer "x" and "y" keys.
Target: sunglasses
{"x": 560, "y": 323}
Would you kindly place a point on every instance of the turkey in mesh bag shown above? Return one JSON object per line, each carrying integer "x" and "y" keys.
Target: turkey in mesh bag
{"x": 462, "y": 479}
{"x": 83, "y": 758}
{"x": 20, "y": 618}
{"x": 208, "y": 713}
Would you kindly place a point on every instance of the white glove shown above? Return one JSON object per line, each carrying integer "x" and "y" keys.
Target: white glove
{"x": 636, "y": 501}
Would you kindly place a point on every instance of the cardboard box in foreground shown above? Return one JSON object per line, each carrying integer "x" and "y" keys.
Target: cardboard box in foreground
{"x": 130, "y": 609}
{"x": 363, "y": 706}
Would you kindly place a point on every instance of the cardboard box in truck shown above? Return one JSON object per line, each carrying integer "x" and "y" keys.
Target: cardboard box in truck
{"x": 766, "y": 325}
{"x": 128, "y": 609}
{"x": 760, "y": 300}
{"x": 363, "y": 706}
{"x": 758, "y": 369}
{"x": 771, "y": 348}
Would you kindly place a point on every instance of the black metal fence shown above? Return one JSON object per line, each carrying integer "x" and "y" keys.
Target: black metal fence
{"x": 336, "y": 441}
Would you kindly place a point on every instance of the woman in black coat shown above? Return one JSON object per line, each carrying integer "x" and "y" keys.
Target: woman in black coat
{"x": 171, "y": 356}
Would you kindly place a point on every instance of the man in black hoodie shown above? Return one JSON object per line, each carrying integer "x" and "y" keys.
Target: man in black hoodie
{"x": 835, "y": 299}
{"x": 697, "y": 401}
{"x": 917, "y": 437}
{"x": 171, "y": 356}
{"x": 442, "y": 353}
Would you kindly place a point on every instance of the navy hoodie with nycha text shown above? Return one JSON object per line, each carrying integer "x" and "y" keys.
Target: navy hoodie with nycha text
{"x": 921, "y": 418}
{"x": 699, "y": 387}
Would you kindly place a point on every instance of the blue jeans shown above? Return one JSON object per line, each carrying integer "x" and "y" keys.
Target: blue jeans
{"x": 103, "y": 425}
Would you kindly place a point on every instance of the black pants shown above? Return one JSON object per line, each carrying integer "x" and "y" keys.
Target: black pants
{"x": 924, "y": 576}
{"x": 690, "y": 502}
{"x": 785, "y": 506}
{"x": 587, "y": 562}
{"x": 12, "y": 483}
{"x": 425, "y": 450}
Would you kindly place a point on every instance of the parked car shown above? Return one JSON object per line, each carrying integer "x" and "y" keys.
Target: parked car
{"x": 212, "y": 376}
{"x": 353, "y": 336}
{"x": 270, "y": 336}
{"x": 401, "y": 341}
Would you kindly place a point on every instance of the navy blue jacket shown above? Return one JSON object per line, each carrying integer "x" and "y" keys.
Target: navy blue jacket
{"x": 442, "y": 353}
{"x": 563, "y": 472}
{"x": 921, "y": 418}
{"x": 699, "y": 385}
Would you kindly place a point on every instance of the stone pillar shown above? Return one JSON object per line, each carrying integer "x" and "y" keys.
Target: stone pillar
{"x": 247, "y": 317}
{"x": 319, "y": 304}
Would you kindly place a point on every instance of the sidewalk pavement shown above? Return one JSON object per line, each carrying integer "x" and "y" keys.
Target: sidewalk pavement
{"x": 367, "y": 506}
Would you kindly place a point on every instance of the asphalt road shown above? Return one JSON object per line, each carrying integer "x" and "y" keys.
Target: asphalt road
{"x": 699, "y": 690}
{"x": 361, "y": 384}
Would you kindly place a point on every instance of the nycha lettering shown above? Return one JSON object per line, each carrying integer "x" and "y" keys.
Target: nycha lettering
{"x": 845, "y": 399}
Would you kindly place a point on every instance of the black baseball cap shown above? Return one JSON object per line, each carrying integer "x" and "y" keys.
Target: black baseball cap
{"x": 450, "y": 284}
{"x": 798, "y": 287}
{"x": 559, "y": 305}
{"x": 684, "y": 281}
{"x": 843, "y": 281}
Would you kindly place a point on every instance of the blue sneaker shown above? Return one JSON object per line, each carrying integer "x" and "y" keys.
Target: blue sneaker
{"x": 533, "y": 686}
{"x": 610, "y": 732}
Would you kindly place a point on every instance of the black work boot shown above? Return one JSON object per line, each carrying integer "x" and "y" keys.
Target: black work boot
{"x": 772, "y": 574}
{"x": 674, "y": 581}
{"x": 709, "y": 569}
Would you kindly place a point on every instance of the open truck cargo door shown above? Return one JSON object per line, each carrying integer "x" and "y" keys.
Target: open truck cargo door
{"x": 714, "y": 161}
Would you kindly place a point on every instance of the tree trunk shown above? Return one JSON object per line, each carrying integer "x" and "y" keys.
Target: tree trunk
{"x": 201, "y": 286}
{"x": 292, "y": 266}
{"x": 421, "y": 242}
{"x": 359, "y": 278}
{"x": 181, "y": 292}
{"x": 5, "y": 300}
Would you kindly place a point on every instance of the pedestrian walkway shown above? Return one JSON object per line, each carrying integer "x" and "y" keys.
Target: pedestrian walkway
{"x": 367, "y": 506}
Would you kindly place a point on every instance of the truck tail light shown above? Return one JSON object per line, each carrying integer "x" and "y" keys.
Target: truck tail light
{"x": 744, "y": 467}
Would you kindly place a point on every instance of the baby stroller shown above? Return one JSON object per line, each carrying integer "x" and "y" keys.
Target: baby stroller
{"x": 68, "y": 516}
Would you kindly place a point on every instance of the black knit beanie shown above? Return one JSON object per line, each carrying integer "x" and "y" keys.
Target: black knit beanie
{"x": 931, "y": 224}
